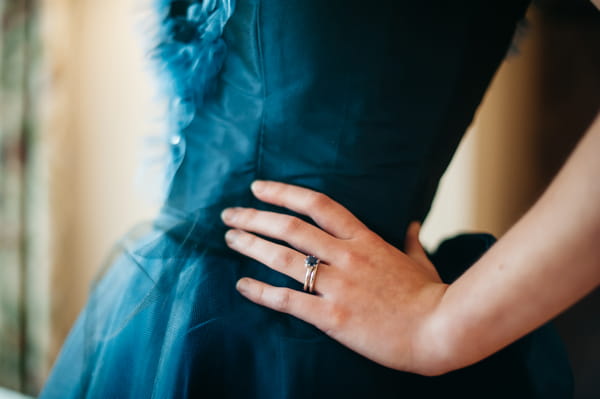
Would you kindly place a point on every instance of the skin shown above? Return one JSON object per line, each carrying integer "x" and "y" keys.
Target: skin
{"x": 391, "y": 306}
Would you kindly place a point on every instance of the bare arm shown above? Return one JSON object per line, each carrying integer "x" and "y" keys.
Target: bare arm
{"x": 549, "y": 260}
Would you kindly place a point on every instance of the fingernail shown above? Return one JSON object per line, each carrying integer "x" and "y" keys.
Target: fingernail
{"x": 231, "y": 236}
{"x": 242, "y": 285}
{"x": 258, "y": 186}
{"x": 228, "y": 214}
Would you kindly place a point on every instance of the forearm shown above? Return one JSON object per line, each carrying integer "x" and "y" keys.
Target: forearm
{"x": 545, "y": 263}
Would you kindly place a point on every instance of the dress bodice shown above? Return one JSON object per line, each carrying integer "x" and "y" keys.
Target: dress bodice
{"x": 365, "y": 102}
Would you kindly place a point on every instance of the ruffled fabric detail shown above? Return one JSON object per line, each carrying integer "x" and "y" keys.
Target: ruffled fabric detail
{"x": 187, "y": 51}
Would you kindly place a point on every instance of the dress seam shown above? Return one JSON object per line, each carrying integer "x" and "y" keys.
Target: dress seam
{"x": 260, "y": 141}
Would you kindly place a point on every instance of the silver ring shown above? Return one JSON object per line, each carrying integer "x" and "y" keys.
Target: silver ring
{"x": 312, "y": 264}
{"x": 309, "y": 271}
{"x": 313, "y": 276}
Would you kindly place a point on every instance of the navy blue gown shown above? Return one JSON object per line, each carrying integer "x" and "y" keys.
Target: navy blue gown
{"x": 364, "y": 101}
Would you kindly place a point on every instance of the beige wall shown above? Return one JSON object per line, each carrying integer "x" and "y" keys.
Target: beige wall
{"x": 101, "y": 110}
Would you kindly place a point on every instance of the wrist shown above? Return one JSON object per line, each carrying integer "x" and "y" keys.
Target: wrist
{"x": 457, "y": 338}
{"x": 434, "y": 349}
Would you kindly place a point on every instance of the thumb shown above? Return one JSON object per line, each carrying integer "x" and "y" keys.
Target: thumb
{"x": 412, "y": 245}
{"x": 414, "y": 249}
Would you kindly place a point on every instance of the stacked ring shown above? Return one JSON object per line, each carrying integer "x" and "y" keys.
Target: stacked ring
{"x": 312, "y": 264}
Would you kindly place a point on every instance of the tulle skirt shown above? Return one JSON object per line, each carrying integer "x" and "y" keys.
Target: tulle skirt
{"x": 165, "y": 321}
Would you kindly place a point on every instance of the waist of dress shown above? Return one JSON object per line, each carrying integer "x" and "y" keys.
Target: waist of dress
{"x": 198, "y": 230}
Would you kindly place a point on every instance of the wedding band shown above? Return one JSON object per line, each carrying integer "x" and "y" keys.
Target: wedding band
{"x": 309, "y": 271}
{"x": 311, "y": 263}
{"x": 313, "y": 276}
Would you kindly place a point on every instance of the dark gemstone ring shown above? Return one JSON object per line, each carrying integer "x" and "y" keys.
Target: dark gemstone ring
{"x": 312, "y": 263}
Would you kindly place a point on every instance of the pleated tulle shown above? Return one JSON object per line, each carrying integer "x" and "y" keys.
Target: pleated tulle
{"x": 165, "y": 322}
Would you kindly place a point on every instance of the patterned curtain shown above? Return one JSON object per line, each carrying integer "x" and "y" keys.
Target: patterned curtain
{"x": 20, "y": 195}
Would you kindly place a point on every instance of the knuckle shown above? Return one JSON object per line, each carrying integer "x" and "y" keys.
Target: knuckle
{"x": 288, "y": 258}
{"x": 283, "y": 258}
{"x": 291, "y": 225}
{"x": 352, "y": 258}
{"x": 347, "y": 257}
{"x": 248, "y": 215}
{"x": 275, "y": 189}
{"x": 281, "y": 299}
{"x": 370, "y": 238}
{"x": 318, "y": 200}
{"x": 247, "y": 240}
{"x": 337, "y": 316}
{"x": 260, "y": 294}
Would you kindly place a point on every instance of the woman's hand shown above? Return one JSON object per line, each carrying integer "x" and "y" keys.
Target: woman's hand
{"x": 371, "y": 297}
{"x": 392, "y": 307}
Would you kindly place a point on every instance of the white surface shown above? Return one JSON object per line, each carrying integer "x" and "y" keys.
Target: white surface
{"x": 6, "y": 394}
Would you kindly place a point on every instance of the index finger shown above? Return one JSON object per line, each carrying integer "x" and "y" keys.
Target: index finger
{"x": 330, "y": 215}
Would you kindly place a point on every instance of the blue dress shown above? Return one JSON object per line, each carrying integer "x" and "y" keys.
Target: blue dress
{"x": 365, "y": 102}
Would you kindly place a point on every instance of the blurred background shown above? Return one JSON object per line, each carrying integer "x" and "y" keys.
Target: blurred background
{"x": 77, "y": 101}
